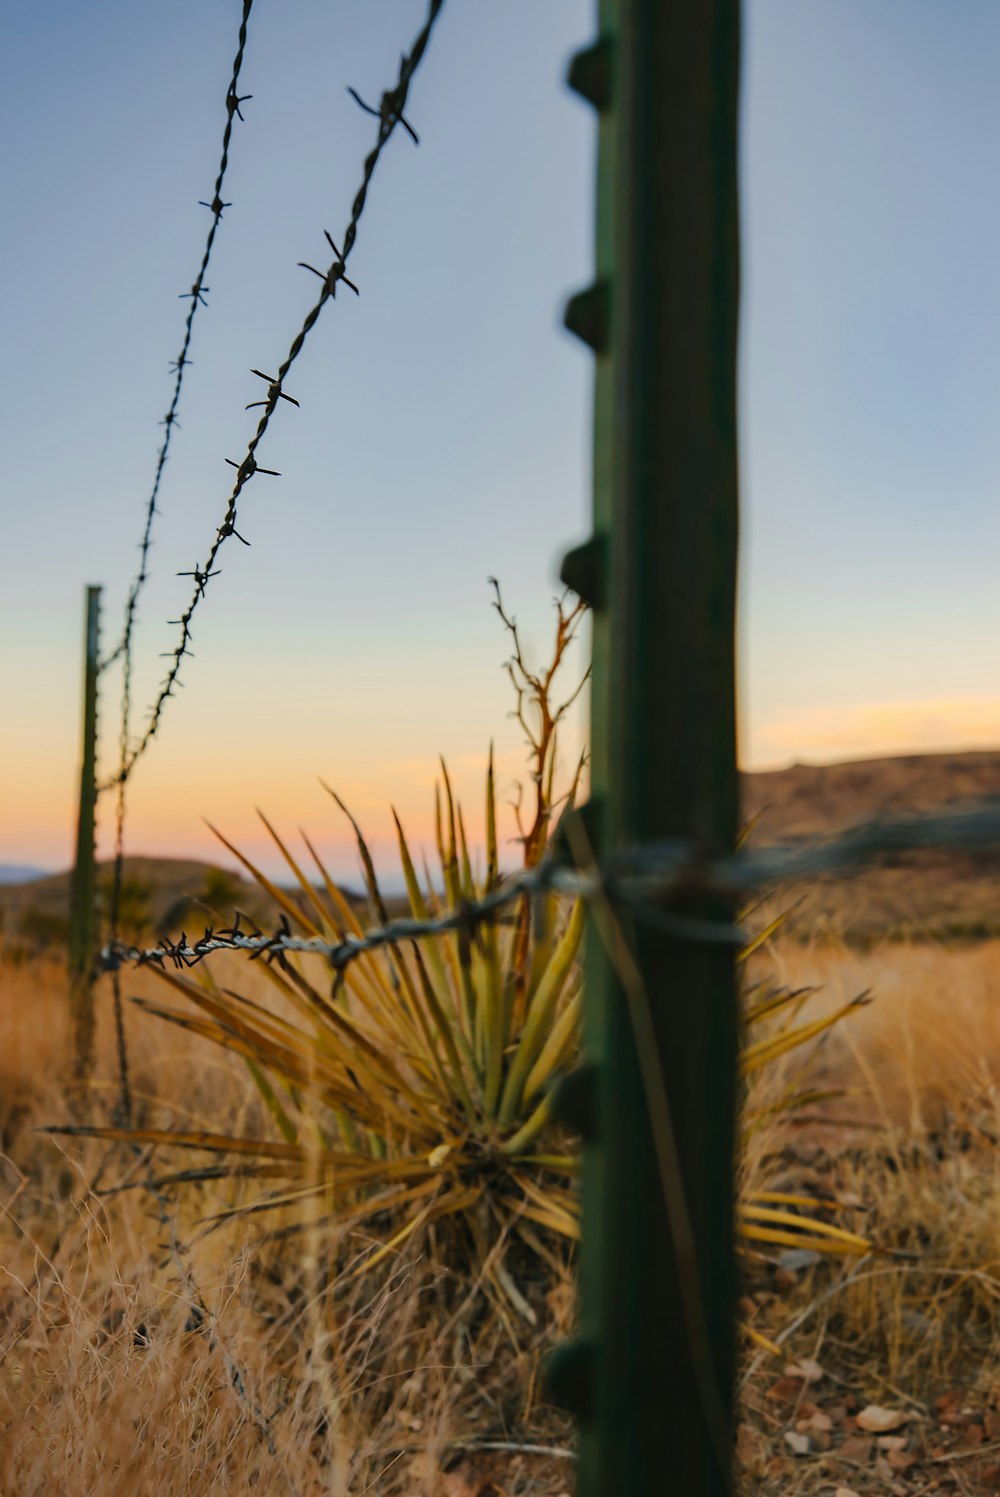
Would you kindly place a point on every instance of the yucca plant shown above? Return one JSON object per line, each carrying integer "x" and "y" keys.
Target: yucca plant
{"x": 414, "y": 1085}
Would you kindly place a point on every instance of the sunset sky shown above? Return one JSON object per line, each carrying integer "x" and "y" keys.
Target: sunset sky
{"x": 444, "y": 428}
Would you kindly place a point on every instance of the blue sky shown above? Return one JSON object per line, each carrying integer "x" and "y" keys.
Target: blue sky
{"x": 444, "y": 429}
{"x": 870, "y": 375}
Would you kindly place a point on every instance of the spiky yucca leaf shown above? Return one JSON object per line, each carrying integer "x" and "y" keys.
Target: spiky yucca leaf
{"x": 764, "y": 1217}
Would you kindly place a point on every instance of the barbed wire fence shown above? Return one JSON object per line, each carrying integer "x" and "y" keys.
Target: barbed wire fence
{"x": 650, "y": 884}
{"x": 390, "y": 113}
{"x": 123, "y": 649}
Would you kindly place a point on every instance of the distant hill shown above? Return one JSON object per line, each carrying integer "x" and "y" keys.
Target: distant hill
{"x": 19, "y": 873}
{"x": 935, "y": 894}
{"x": 161, "y": 895}
{"x": 810, "y": 800}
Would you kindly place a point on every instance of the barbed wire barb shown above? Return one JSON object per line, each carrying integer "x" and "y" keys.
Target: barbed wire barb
{"x": 274, "y": 392}
{"x": 335, "y": 273}
{"x": 389, "y": 109}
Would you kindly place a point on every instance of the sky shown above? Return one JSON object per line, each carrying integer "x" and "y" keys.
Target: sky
{"x": 444, "y": 428}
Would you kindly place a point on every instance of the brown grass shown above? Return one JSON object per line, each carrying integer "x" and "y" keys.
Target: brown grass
{"x": 133, "y": 1364}
{"x": 910, "y": 1148}
{"x": 291, "y": 1379}
{"x": 926, "y": 1051}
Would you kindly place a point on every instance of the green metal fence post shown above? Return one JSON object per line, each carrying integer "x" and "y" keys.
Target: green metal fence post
{"x": 651, "y": 1375}
{"x": 83, "y": 890}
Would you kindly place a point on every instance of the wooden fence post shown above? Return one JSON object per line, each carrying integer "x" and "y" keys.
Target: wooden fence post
{"x": 83, "y": 890}
{"x": 652, "y": 1373}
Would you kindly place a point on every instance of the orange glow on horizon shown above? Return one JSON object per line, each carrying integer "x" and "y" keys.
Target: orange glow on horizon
{"x": 871, "y": 730}
{"x": 172, "y": 797}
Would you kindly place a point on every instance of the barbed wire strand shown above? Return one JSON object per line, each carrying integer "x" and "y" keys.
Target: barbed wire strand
{"x": 645, "y": 880}
{"x": 196, "y": 296}
{"x": 389, "y": 114}
{"x": 123, "y": 650}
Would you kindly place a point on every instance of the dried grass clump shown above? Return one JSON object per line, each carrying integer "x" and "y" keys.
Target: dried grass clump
{"x": 133, "y": 1358}
{"x": 904, "y": 1131}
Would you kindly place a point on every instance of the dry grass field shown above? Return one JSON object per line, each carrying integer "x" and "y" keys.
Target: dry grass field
{"x": 137, "y": 1359}
{"x": 139, "y": 1355}
{"x": 132, "y": 1361}
{"x": 909, "y": 1147}
{"x": 144, "y": 1351}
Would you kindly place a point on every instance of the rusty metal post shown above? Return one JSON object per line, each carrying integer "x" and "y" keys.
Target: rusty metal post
{"x": 652, "y": 1373}
{"x": 83, "y": 889}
